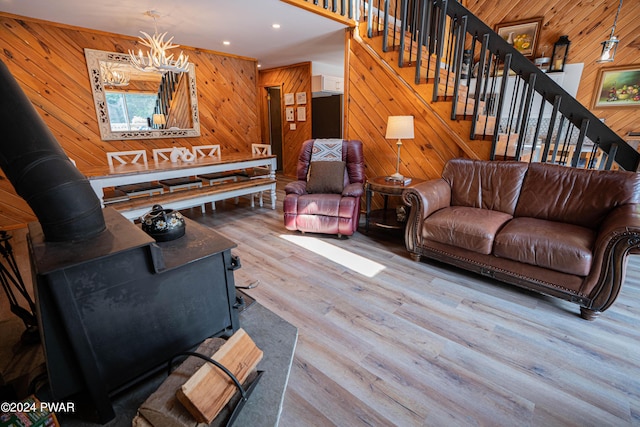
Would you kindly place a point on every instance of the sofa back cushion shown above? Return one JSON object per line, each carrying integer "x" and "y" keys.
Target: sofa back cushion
{"x": 493, "y": 185}
{"x": 575, "y": 196}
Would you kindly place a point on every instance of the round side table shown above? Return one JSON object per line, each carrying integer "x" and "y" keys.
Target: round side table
{"x": 385, "y": 218}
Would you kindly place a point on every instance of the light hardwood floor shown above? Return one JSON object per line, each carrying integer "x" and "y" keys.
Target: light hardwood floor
{"x": 386, "y": 341}
{"x": 395, "y": 342}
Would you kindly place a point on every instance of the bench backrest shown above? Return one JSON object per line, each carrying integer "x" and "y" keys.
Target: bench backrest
{"x": 163, "y": 154}
{"x": 261, "y": 149}
{"x": 126, "y": 157}
{"x": 206, "y": 151}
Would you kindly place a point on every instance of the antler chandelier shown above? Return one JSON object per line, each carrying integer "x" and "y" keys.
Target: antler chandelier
{"x": 112, "y": 76}
{"x": 157, "y": 57}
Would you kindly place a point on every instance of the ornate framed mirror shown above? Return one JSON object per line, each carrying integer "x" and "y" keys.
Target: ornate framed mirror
{"x": 133, "y": 104}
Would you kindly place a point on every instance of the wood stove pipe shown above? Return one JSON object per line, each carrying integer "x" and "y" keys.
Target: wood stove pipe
{"x": 40, "y": 171}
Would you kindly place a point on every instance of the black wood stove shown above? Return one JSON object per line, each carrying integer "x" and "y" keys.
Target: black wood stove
{"x": 118, "y": 306}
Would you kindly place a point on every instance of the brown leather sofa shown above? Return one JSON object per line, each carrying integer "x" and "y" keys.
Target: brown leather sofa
{"x": 560, "y": 231}
{"x": 333, "y": 211}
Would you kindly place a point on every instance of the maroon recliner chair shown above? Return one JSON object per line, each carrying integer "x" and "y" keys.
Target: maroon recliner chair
{"x": 314, "y": 205}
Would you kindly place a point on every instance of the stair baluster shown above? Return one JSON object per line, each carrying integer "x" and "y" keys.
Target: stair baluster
{"x": 441, "y": 30}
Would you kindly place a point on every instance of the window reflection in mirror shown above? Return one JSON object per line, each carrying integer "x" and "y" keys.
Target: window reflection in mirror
{"x": 133, "y": 104}
{"x": 130, "y": 111}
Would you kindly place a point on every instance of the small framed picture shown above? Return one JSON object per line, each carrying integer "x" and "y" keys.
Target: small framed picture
{"x": 301, "y": 97}
{"x": 288, "y": 113}
{"x": 523, "y": 35}
{"x": 302, "y": 114}
{"x": 288, "y": 99}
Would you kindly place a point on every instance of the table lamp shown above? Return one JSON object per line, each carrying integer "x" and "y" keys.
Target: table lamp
{"x": 399, "y": 127}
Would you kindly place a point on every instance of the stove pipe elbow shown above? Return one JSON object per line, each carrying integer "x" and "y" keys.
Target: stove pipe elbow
{"x": 40, "y": 171}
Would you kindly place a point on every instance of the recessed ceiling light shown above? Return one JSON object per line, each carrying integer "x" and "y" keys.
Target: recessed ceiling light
{"x": 226, "y": 42}
{"x": 259, "y": 65}
{"x": 275, "y": 26}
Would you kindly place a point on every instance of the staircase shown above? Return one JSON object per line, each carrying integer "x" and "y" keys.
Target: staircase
{"x": 536, "y": 120}
{"x": 427, "y": 43}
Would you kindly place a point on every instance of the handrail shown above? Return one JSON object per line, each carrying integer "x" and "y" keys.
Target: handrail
{"x": 443, "y": 30}
{"x": 342, "y": 11}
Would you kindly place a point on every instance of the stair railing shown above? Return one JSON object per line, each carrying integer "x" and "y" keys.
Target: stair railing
{"x": 521, "y": 109}
{"x": 341, "y": 10}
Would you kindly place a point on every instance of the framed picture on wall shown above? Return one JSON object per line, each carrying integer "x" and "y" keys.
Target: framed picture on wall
{"x": 301, "y": 97}
{"x": 522, "y": 35}
{"x": 288, "y": 99}
{"x": 302, "y": 114}
{"x": 288, "y": 113}
{"x": 617, "y": 87}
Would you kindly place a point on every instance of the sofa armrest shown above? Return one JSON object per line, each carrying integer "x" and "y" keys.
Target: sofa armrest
{"x": 296, "y": 187}
{"x": 622, "y": 219}
{"x": 428, "y": 197}
{"x": 618, "y": 236}
{"x": 424, "y": 199}
{"x": 355, "y": 189}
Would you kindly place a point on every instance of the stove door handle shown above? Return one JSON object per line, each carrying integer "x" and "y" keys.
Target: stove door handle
{"x": 235, "y": 263}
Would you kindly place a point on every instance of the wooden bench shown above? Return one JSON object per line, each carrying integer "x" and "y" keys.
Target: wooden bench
{"x": 184, "y": 199}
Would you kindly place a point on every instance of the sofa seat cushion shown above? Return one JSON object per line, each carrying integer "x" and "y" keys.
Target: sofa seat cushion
{"x": 554, "y": 245}
{"x": 465, "y": 227}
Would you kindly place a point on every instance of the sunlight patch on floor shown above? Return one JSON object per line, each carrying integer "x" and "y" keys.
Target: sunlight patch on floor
{"x": 347, "y": 259}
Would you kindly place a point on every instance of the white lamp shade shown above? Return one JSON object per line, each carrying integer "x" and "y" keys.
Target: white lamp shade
{"x": 400, "y": 127}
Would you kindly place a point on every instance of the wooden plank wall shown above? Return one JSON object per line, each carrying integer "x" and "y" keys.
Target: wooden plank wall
{"x": 373, "y": 96}
{"x": 587, "y": 23}
{"x": 291, "y": 79}
{"x": 48, "y": 62}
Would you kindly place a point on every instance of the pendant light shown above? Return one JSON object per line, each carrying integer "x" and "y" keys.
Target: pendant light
{"x": 609, "y": 46}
